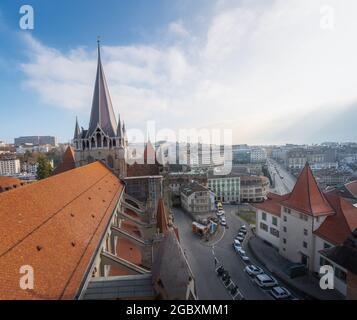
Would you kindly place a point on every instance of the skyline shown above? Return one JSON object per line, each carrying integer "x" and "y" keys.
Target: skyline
{"x": 262, "y": 70}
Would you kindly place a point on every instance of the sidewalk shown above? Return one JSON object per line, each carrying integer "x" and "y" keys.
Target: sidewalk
{"x": 307, "y": 286}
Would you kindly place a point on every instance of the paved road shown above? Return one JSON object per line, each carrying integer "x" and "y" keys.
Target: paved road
{"x": 201, "y": 259}
{"x": 284, "y": 181}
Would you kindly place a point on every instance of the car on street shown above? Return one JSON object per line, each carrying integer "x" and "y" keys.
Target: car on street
{"x": 265, "y": 281}
{"x": 240, "y": 238}
{"x": 223, "y": 221}
{"x": 253, "y": 270}
{"x": 236, "y": 245}
{"x": 243, "y": 228}
{"x": 220, "y": 213}
{"x": 243, "y": 231}
{"x": 280, "y": 293}
{"x": 245, "y": 258}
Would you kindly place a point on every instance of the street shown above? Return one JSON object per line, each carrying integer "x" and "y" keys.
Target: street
{"x": 283, "y": 180}
{"x": 201, "y": 259}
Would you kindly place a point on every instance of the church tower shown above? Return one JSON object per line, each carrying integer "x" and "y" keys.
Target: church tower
{"x": 105, "y": 140}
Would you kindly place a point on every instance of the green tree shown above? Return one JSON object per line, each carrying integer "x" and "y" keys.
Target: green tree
{"x": 44, "y": 168}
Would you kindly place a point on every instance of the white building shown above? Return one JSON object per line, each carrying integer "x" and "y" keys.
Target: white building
{"x": 258, "y": 155}
{"x": 9, "y": 167}
{"x": 197, "y": 199}
{"x": 305, "y": 222}
{"x": 226, "y": 188}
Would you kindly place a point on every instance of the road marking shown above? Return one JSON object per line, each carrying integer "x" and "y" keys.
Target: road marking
{"x": 224, "y": 231}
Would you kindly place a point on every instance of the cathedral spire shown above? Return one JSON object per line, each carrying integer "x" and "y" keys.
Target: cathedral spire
{"x": 77, "y": 131}
{"x": 102, "y": 112}
{"x": 119, "y": 129}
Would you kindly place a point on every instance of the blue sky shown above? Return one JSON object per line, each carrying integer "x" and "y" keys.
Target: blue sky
{"x": 265, "y": 69}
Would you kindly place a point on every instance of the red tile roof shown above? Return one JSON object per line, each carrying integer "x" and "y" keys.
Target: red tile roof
{"x": 161, "y": 218}
{"x": 9, "y": 182}
{"x": 68, "y": 162}
{"x": 352, "y": 187}
{"x": 338, "y": 227}
{"x": 272, "y": 204}
{"x": 55, "y": 225}
{"x": 306, "y": 196}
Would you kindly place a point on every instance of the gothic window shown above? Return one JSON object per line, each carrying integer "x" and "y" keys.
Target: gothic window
{"x": 105, "y": 142}
{"x": 110, "y": 144}
{"x": 87, "y": 143}
{"x": 83, "y": 145}
{"x": 99, "y": 140}
{"x": 114, "y": 143}
{"x": 92, "y": 143}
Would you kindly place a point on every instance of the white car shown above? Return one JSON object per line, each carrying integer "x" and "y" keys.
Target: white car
{"x": 223, "y": 221}
{"x": 236, "y": 245}
{"x": 239, "y": 238}
{"x": 253, "y": 270}
{"x": 265, "y": 281}
{"x": 245, "y": 258}
{"x": 280, "y": 293}
{"x": 220, "y": 213}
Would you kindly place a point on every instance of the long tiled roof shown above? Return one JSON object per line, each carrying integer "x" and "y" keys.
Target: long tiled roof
{"x": 306, "y": 196}
{"x": 338, "y": 227}
{"x": 272, "y": 204}
{"x": 352, "y": 188}
{"x": 9, "y": 182}
{"x": 55, "y": 225}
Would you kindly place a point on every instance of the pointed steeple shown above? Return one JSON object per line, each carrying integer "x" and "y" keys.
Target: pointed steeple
{"x": 102, "y": 113}
{"x": 77, "y": 131}
{"x": 119, "y": 129}
{"x": 306, "y": 196}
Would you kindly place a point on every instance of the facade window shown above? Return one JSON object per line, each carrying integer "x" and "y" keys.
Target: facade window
{"x": 284, "y": 241}
{"x": 264, "y": 216}
{"x": 275, "y": 221}
{"x": 287, "y": 210}
{"x": 326, "y": 245}
{"x": 285, "y": 229}
{"x": 274, "y": 232}
{"x": 263, "y": 226}
{"x": 304, "y": 244}
{"x": 285, "y": 219}
{"x": 305, "y": 232}
{"x": 340, "y": 274}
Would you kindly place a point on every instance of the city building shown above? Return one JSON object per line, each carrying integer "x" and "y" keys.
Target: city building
{"x": 226, "y": 188}
{"x": 105, "y": 139}
{"x": 197, "y": 199}
{"x": 306, "y": 221}
{"x": 177, "y": 180}
{"x": 258, "y": 155}
{"x": 36, "y": 140}
{"x": 347, "y": 191}
{"x": 9, "y": 166}
{"x": 78, "y": 231}
{"x": 253, "y": 188}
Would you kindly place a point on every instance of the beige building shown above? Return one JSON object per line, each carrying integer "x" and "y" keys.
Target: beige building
{"x": 197, "y": 199}
{"x": 253, "y": 188}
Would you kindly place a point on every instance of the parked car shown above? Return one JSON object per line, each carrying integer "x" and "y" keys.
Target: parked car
{"x": 236, "y": 245}
{"x": 253, "y": 270}
{"x": 243, "y": 231}
{"x": 280, "y": 293}
{"x": 243, "y": 228}
{"x": 265, "y": 281}
{"x": 223, "y": 221}
{"x": 245, "y": 258}
{"x": 240, "y": 238}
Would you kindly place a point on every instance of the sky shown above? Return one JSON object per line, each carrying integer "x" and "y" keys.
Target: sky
{"x": 272, "y": 71}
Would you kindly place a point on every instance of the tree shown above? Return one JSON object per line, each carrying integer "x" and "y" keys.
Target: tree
{"x": 44, "y": 168}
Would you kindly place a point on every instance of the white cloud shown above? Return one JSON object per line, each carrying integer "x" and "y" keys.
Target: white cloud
{"x": 257, "y": 69}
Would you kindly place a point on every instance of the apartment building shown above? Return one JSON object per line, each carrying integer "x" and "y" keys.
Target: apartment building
{"x": 226, "y": 188}
{"x": 253, "y": 188}
{"x": 9, "y": 166}
{"x": 197, "y": 199}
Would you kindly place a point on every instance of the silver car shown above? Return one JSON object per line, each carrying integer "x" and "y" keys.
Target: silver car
{"x": 280, "y": 293}
{"x": 265, "y": 281}
{"x": 253, "y": 270}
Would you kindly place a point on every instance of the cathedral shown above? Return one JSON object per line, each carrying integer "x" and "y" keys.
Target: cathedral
{"x": 106, "y": 139}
